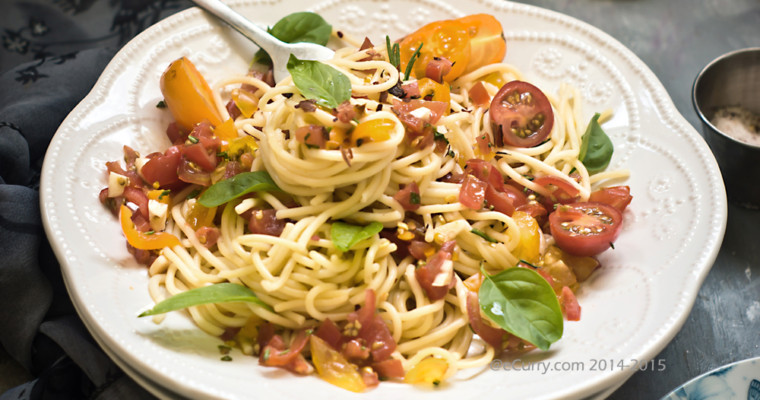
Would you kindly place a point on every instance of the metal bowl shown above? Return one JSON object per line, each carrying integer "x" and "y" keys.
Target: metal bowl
{"x": 732, "y": 80}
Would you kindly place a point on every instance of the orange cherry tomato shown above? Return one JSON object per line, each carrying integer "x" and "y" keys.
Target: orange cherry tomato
{"x": 144, "y": 241}
{"x": 487, "y": 43}
{"x": 436, "y": 91}
{"x": 188, "y": 95}
{"x": 448, "y": 38}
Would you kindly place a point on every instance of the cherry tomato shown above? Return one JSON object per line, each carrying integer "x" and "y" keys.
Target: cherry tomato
{"x": 448, "y": 38}
{"x": 188, "y": 95}
{"x": 373, "y": 130}
{"x": 530, "y": 239}
{"x": 430, "y": 371}
{"x": 585, "y": 229}
{"x": 560, "y": 191}
{"x": 616, "y": 196}
{"x": 140, "y": 240}
{"x": 487, "y": 43}
{"x": 522, "y": 114}
{"x": 334, "y": 368}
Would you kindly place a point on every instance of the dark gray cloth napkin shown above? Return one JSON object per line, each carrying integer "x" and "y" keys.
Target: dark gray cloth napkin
{"x": 52, "y": 53}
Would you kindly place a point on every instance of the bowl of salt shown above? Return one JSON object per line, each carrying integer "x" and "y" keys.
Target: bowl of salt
{"x": 726, "y": 96}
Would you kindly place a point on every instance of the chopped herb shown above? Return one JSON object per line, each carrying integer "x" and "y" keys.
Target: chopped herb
{"x": 414, "y": 198}
{"x": 223, "y": 154}
{"x": 394, "y": 53}
{"x": 192, "y": 139}
{"x": 484, "y": 236}
{"x": 194, "y": 194}
{"x": 164, "y": 193}
{"x": 150, "y": 232}
{"x": 612, "y": 246}
{"x": 161, "y": 104}
{"x": 267, "y": 354}
{"x": 411, "y": 61}
{"x": 451, "y": 153}
{"x": 224, "y": 349}
{"x": 440, "y": 136}
{"x": 226, "y": 358}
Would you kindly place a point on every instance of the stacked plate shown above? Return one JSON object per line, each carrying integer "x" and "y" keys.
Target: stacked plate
{"x": 632, "y": 307}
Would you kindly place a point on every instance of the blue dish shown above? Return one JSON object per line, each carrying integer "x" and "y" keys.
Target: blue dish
{"x": 739, "y": 380}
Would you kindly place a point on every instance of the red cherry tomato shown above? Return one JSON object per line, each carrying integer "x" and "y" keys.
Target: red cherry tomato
{"x": 522, "y": 114}
{"x": 585, "y": 229}
{"x": 616, "y": 196}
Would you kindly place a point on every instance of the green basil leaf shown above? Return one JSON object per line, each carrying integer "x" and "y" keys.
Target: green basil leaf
{"x": 596, "y": 147}
{"x": 240, "y": 184}
{"x": 297, "y": 27}
{"x": 344, "y": 236}
{"x": 320, "y": 82}
{"x": 522, "y": 303}
{"x": 218, "y": 293}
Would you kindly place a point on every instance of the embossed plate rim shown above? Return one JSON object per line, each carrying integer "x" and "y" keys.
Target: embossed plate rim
{"x": 129, "y": 344}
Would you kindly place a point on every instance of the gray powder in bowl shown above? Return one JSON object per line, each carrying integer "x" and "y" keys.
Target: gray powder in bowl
{"x": 739, "y": 123}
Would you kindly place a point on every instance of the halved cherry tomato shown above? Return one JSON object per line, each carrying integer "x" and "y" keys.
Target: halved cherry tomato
{"x": 448, "y": 38}
{"x": 521, "y": 115}
{"x": 162, "y": 169}
{"x": 487, "y": 43}
{"x": 432, "y": 90}
{"x": 616, "y": 196}
{"x": 585, "y": 229}
{"x": 140, "y": 240}
{"x": 188, "y": 95}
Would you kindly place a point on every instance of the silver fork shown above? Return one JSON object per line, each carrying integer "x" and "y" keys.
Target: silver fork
{"x": 278, "y": 50}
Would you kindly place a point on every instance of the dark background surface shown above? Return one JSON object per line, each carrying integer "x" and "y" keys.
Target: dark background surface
{"x": 675, "y": 38}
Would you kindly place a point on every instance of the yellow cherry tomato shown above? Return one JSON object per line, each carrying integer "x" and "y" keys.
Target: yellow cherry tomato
{"x": 374, "y": 130}
{"x": 430, "y": 370}
{"x": 140, "y": 240}
{"x": 245, "y": 101}
{"x": 188, "y": 95}
{"x": 530, "y": 240}
{"x": 334, "y": 368}
{"x": 199, "y": 216}
{"x": 487, "y": 43}
{"x": 448, "y": 38}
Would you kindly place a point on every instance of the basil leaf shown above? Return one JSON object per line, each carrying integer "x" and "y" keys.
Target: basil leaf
{"x": 344, "y": 236}
{"x": 218, "y": 293}
{"x": 240, "y": 184}
{"x": 522, "y": 303}
{"x": 596, "y": 147}
{"x": 320, "y": 82}
{"x": 297, "y": 27}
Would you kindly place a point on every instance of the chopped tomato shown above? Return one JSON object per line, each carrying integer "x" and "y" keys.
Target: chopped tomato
{"x": 246, "y": 101}
{"x": 265, "y": 222}
{"x": 409, "y": 197}
{"x": 479, "y": 95}
{"x": 530, "y": 239}
{"x": 535, "y": 210}
{"x": 437, "y": 275}
{"x": 199, "y": 216}
{"x": 429, "y": 370}
{"x": 449, "y": 39}
{"x": 437, "y": 68}
{"x": 274, "y": 354}
{"x": 373, "y": 130}
{"x": 521, "y": 115}
{"x": 570, "y": 306}
{"x": 486, "y": 172}
{"x": 144, "y": 241}
{"x": 404, "y": 108}
{"x": 334, "y": 368}
{"x": 313, "y": 136}
{"x": 330, "y": 333}
{"x": 616, "y": 196}
{"x": 492, "y": 336}
{"x": 434, "y": 91}
{"x": 390, "y": 368}
{"x": 560, "y": 191}
{"x": 208, "y": 236}
{"x": 585, "y": 229}
{"x": 472, "y": 194}
{"x": 188, "y": 95}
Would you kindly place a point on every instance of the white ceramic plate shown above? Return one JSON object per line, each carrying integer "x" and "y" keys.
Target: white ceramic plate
{"x": 739, "y": 380}
{"x": 632, "y": 307}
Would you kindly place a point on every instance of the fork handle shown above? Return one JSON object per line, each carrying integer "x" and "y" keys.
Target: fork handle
{"x": 241, "y": 24}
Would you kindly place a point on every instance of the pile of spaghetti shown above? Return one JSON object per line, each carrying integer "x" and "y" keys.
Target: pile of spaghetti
{"x": 402, "y": 211}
